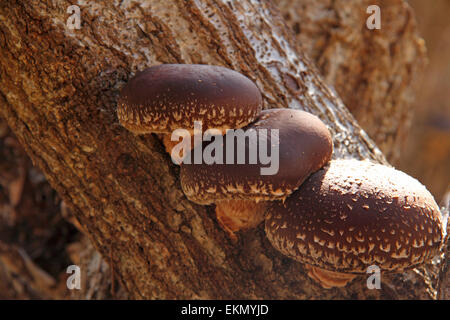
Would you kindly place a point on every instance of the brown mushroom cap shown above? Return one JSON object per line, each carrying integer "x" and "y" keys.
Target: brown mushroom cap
{"x": 353, "y": 214}
{"x": 166, "y": 97}
{"x": 305, "y": 145}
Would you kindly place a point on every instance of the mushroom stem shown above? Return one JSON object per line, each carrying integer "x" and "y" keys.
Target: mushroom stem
{"x": 169, "y": 145}
{"x": 329, "y": 279}
{"x": 235, "y": 215}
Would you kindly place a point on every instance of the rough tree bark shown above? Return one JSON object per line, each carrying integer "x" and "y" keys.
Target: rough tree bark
{"x": 58, "y": 90}
{"x": 375, "y": 72}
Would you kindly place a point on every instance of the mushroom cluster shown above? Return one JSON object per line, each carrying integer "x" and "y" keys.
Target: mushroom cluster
{"x": 240, "y": 191}
{"x": 339, "y": 217}
{"x": 165, "y": 98}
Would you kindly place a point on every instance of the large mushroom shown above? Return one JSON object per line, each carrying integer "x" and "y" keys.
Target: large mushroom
{"x": 303, "y": 144}
{"x": 354, "y": 214}
{"x": 166, "y": 97}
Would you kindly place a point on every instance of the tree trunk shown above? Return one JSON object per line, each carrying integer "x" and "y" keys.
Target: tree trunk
{"x": 58, "y": 91}
{"x": 375, "y": 72}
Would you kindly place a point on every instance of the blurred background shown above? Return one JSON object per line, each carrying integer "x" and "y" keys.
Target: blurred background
{"x": 426, "y": 155}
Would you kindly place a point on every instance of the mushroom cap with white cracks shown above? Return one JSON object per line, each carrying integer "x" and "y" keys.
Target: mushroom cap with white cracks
{"x": 166, "y": 97}
{"x": 353, "y": 214}
{"x": 304, "y": 145}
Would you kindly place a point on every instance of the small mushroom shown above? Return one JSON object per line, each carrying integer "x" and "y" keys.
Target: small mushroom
{"x": 353, "y": 214}
{"x": 240, "y": 190}
{"x": 166, "y": 97}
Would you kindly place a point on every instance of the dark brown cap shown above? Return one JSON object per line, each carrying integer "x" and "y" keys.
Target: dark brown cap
{"x": 354, "y": 214}
{"x": 170, "y": 96}
{"x": 305, "y": 145}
